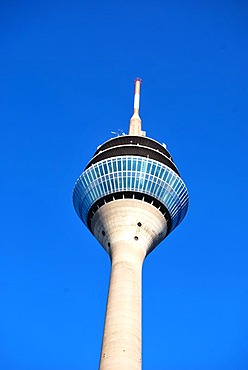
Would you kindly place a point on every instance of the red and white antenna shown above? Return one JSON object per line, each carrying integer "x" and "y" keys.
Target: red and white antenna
{"x": 137, "y": 83}
{"x": 135, "y": 121}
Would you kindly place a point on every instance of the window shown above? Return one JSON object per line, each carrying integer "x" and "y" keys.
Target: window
{"x": 131, "y": 173}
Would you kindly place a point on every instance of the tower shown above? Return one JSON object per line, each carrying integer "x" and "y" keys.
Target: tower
{"x": 130, "y": 196}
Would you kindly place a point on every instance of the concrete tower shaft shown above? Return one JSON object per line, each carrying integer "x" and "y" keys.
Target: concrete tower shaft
{"x": 132, "y": 228}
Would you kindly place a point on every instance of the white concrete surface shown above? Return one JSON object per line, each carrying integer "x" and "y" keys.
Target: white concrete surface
{"x": 127, "y": 229}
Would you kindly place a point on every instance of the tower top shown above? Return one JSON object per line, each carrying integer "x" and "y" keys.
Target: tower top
{"x": 137, "y": 83}
{"x": 135, "y": 121}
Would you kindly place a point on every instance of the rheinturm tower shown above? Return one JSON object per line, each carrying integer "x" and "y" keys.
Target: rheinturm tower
{"x": 130, "y": 196}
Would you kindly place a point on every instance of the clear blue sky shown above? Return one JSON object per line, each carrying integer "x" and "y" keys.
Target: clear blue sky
{"x": 66, "y": 82}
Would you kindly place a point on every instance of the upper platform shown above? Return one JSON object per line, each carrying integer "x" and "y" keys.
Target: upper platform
{"x": 134, "y": 145}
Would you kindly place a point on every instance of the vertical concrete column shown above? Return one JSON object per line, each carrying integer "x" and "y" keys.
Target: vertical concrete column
{"x": 121, "y": 347}
{"x": 135, "y": 125}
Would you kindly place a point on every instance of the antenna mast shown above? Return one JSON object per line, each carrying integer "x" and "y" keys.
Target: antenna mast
{"x": 135, "y": 121}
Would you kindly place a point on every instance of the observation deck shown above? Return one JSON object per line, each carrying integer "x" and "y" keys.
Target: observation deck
{"x": 132, "y": 166}
{"x": 124, "y": 168}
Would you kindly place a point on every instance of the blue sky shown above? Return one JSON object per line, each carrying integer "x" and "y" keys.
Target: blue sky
{"x": 66, "y": 82}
